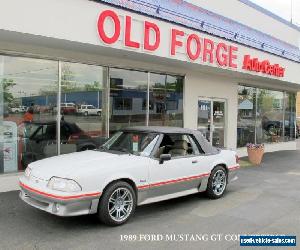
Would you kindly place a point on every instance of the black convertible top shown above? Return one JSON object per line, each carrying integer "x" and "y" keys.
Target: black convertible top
{"x": 205, "y": 145}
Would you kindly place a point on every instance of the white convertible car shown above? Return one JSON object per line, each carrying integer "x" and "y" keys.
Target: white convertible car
{"x": 136, "y": 166}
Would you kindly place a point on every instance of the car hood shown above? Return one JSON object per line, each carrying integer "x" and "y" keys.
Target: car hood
{"x": 76, "y": 164}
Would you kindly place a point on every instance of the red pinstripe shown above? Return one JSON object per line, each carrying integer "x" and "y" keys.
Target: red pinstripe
{"x": 157, "y": 184}
{"x": 174, "y": 181}
{"x": 70, "y": 197}
{"x": 234, "y": 168}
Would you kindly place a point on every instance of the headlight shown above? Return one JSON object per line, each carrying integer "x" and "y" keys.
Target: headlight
{"x": 27, "y": 172}
{"x": 65, "y": 185}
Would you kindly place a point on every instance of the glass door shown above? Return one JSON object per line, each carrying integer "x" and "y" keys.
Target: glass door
{"x": 204, "y": 117}
{"x": 211, "y": 120}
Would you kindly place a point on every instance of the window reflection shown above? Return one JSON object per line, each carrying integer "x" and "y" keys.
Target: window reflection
{"x": 29, "y": 111}
{"x": 166, "y": 100}
{"x": 270, "y": 116}
{"x": 128, "y": 95}
{"x": 82, "y": 91}
{"x": 246, "y": 115}
{"x": 290, "y": 128}
{"x": 265, "y": 116}
{"x": 29, "y": 88}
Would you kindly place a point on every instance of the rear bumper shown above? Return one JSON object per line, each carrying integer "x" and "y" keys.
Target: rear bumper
{"x": 60, "y": 206}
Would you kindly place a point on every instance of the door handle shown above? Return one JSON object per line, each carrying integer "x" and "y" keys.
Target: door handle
{"x": 195, "y": 161}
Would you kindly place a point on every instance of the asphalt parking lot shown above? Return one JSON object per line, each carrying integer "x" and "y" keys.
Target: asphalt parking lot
{"x": 264, "y": 200}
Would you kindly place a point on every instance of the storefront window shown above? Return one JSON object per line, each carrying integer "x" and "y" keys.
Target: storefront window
{"x": 166, "y": 100}
{"x": 82, "y": 126}
{"x": 85, "y": 111}
{"x": 28, "y": 92}
{"x": 270, "y": 115}
{"x": 265, "y": 116}
{"x": 290, "y": 128}
{"x": 128, "y": 92}
{"x": 246, "y": 115}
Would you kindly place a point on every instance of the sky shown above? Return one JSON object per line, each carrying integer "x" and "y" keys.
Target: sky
{"x": 282, "y": 8}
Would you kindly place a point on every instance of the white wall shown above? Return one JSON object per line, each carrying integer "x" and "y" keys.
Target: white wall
{"x": 249, "y": 16}
{"x": 65, "y": 20}
{"x": 211, "y": 86}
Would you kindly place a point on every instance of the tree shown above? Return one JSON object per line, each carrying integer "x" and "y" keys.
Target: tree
{"x": 95, "y": 86}
{"x": 68, "y": 84}
{"x": 7, "y": 84}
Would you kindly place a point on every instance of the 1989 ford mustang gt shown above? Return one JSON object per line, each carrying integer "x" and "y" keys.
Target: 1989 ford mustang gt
{"x": 136, "y": 166}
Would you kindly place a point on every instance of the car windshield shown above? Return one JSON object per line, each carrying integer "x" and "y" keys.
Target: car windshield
{"x": 131, "y": 142}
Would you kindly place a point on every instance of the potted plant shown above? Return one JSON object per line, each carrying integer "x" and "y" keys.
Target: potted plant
{"x": 255, "y": 153}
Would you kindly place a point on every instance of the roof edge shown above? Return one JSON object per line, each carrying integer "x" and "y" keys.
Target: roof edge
{"x": 270, "y": 14}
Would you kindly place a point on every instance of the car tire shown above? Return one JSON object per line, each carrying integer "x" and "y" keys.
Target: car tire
{"x": 99, "y": 113}
{"x": 217, "y": 183}
{"x": 86, "y": 113}
{"x": 112, "y": 210}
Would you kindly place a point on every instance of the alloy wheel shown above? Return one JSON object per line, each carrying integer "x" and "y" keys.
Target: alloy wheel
{"x": 219, "y": 182}
{"x": 120, "y": 204}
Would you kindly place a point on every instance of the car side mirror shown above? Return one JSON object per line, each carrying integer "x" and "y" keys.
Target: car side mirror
{"x": 164, "y": 157}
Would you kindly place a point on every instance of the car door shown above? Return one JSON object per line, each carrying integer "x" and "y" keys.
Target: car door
{"x": 92, "y": 110}
{"x": 44, "y": 135}
{"x": 183, "y": 173}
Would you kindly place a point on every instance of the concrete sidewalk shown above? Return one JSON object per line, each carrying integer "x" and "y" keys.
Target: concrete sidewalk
{"x": 9, "y": 182}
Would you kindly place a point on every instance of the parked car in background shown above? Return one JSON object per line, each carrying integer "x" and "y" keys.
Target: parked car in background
{"x": 19, "y": 109}
{"x": 68, "y": 108}
{"x": 40, "y": 135}
{"x": 273, "y": 122}
{"x": 87, "y": 110}
{"x": 136, "y": 166}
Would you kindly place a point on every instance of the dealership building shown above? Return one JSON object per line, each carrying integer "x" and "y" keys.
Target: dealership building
{"x": 75, "y": 71}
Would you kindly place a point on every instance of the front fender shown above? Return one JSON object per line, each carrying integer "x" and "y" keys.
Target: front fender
{"x": 116, "y": 177}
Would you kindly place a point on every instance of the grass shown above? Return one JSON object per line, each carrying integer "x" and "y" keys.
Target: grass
{"x": 245, "y": 163}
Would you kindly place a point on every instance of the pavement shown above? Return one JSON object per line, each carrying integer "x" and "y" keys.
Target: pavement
{"x": 264, "y": 200}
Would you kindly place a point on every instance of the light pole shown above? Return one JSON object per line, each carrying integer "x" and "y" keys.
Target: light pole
{"x": 291, "y": 11}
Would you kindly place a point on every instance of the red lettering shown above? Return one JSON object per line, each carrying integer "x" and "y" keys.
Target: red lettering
{"x": 255, "y": 65}
{"x": 208, "y": 50}
{"x": 264, "y": 66}
{"x": 174, "y": 41}
{"x": 148, "y": 27}
{"x": 247, "y": 64}
{"x": 271, "y": 70}
{"x": 128, "y": 41}
{"x": 196, "y": 54}
{"x": 221, "y": 56}
{"x": 109, "y": 14}
{"x": 232, "y": 56}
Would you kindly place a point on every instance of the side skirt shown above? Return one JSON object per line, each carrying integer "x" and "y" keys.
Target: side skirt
{"x": 169, "y": 196}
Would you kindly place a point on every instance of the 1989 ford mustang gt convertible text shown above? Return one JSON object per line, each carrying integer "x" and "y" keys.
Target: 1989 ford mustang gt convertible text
{"x": 136, "y": 166}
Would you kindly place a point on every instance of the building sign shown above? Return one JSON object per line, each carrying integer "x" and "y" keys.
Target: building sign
{"x": 253, "y": 64}
{"x": 197, "y": 49}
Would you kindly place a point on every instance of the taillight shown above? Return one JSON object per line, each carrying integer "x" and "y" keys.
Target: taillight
{"x": 237, "y": 159}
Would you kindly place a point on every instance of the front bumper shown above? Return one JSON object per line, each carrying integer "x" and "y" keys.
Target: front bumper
{"x": 60, "y": 205}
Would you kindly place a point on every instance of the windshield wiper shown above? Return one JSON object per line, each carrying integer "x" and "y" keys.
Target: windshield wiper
{"x": 102, "y": 148}
{"x": 125, "y": 150}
